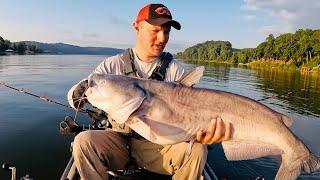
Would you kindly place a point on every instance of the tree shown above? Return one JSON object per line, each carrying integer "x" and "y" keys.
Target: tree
{"x": 209, "y": 50}
{"x": 260, "y": 50}
{"x": 243, "y": 57}
{"x": 285, "y": 47}
{"x": 2, "y": 48}
{"x": 4, "y": 44}
{"x": 21, "y": 48}
{"x": 32, "y": 48}
{"x": 14, "y": 47}
{"x": 234, "y": 57}
{"x": 302, "y": 47}
{"x": 269, "y": 49}
{"x": 7, "y": 44}
{"x": 304, "y": 41}
{"x": 315, "y": 42}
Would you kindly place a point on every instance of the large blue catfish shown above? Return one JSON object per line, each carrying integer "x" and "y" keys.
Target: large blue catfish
{"x": 169, "y": 113}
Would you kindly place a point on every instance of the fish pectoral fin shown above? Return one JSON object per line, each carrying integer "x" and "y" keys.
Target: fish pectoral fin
{"x": 192, "y": 77}
{"x": 155, "y": 131}
{"x": 152, "y": 136}
{"x": 244, "y": 150}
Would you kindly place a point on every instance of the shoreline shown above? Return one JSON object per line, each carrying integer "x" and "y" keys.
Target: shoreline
{"x": 267, "y": 65}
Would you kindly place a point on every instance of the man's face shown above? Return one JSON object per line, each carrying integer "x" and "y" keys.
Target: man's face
{"x": 152, "y": 39}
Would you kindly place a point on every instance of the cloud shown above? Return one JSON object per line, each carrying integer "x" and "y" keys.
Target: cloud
{"x": 288, "y": 15}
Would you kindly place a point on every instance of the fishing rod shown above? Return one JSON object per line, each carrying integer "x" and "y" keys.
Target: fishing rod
{"x": 68, "y": 127}
{"x": 82, "y": 110}
{"x": 22, "y": 90}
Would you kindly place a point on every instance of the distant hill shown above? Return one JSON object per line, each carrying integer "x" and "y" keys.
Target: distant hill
{"x": 61, "y": 48}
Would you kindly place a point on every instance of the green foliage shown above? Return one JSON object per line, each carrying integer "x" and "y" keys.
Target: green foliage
{"x": 298, "y": 49}
{"x": 208, "y": 51}
{"x": 4, "y": 44}
{"x": 32, "y": 48}
{"x": 19, "y": 48}
{"x": 269, "y": 51}
{"x": 285, "y": 47}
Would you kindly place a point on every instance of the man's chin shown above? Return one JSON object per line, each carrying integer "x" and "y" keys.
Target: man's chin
{"x": 157, "y": 52}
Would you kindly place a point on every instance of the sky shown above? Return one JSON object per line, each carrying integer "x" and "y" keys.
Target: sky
{"x": 108, "y": 23}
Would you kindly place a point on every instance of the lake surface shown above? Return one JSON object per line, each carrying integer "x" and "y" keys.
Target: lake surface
{"x": 30, "y": 139}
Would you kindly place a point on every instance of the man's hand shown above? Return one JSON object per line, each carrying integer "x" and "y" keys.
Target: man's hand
{"x": 217, "y": 132}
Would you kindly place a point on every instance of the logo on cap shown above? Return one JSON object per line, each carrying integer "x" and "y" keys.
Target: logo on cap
{"x": 163, "y": 10}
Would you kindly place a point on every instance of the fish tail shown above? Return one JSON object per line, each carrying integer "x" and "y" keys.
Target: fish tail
{"x": 291, "y": 169}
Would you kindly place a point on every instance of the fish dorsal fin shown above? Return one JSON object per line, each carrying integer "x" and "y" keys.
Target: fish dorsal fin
{"x": 192, "y": 77}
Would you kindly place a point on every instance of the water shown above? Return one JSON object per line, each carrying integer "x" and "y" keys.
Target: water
{"x": 29, "y": 136}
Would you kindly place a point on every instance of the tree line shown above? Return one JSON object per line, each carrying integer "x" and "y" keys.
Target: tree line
{"x": 301, "y": 48}
{"x": 18, "y": 48}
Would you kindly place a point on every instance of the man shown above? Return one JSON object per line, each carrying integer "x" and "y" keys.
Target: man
{"x": 95, "y": 152}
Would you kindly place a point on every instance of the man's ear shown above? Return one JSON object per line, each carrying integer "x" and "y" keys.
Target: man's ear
{"x": 135, "y": 26}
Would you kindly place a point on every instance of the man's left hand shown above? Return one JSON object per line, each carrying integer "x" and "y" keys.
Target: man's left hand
{"x": 217, "y": 132}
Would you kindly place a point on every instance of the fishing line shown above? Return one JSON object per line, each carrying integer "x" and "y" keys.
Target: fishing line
{"x": 22, "y": 90}
{"x": 94, "y": 113}
{"x": 79, "y": 102}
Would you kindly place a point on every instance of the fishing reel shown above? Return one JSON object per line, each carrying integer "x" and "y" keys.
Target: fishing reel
{"x": 69, "y": 126}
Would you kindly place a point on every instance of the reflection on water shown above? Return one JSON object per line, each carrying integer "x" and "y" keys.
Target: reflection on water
{"x": 296, "y": 92}
{"x": 29, "y": 135}
{"x": 300, "y": 92}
